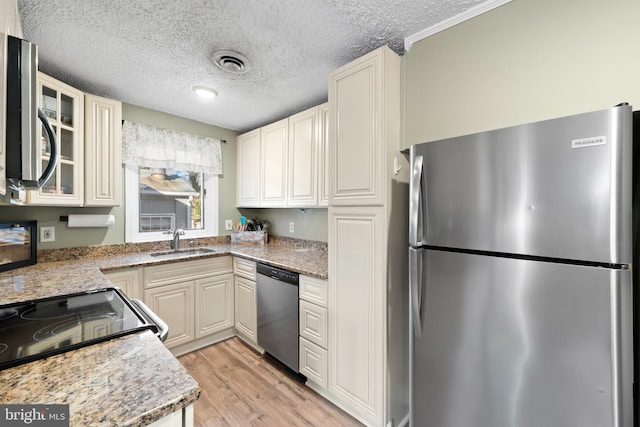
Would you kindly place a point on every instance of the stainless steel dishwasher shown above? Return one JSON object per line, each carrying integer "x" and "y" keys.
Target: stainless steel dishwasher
{"x": 277, "y": 305}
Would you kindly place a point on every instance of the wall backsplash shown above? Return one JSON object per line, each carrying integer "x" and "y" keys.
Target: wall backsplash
{"x": 310, "y": 224}
{"x": 100, "y": 251}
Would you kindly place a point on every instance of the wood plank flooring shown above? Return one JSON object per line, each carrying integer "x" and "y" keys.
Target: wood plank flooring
{"x": 242, "y": 388}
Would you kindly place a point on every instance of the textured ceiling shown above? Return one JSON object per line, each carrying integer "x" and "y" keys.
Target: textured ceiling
{"x": 151, "y": 52}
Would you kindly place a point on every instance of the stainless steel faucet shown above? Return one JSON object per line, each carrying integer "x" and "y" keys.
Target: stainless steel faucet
{"x": 177, "y": 232}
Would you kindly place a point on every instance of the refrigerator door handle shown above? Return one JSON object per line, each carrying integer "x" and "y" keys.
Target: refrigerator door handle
{"x": 416, "y": 208}
{"x": 416, "y": 287}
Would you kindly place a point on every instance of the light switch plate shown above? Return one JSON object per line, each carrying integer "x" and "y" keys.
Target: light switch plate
{"x": 47, "y": 234}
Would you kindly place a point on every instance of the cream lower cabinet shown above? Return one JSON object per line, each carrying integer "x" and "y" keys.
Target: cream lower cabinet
{"x": 246, "y": 309}
{"x": 313, "y": 326}
{"x": 195, "y": 299}
{"x": 214, "y": 304}
{"x": 175, "y": 305}
{"x": 357, "y": 308}
{"x": 128, "y": 280}
{"x": 245, "y": 301}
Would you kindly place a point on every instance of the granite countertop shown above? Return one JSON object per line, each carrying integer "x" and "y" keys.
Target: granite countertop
{"x": 132, "y": 380}
{"x": 49, "y": 279}
{"x": 306, "y": 260}
{"x": 129, "y": 381}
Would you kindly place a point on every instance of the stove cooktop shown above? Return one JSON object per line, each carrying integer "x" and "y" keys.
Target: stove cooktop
{"x": 41, "y": 328}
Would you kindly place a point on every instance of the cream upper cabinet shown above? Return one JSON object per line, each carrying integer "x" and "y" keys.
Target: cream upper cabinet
{"x": 103, "y": 151}
{"x": 64, "y": 107}
{"x": 359, "y": 95}
{"x": 88, "y": 129}
{"x": 323, "y": 156}
{"x": 274, "y": 143}
{"x": 303, "y": 158}
{"x": 368, "y": 359}
{"x": 284, "y": 164}
{"x": 248, "y": 169}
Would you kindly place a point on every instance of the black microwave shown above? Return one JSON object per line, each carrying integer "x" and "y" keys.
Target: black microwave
{"x": 17, "y": 244}
{"x": 23, "y": 144}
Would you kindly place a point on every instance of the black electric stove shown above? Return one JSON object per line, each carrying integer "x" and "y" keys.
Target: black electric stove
{"x": 41, "y": 328}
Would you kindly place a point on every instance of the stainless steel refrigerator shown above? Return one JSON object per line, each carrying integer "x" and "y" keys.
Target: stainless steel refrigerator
{"x": 520, "y": 280}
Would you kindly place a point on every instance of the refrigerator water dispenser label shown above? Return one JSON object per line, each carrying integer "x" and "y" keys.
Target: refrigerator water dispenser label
{"x": 588, "y": 142}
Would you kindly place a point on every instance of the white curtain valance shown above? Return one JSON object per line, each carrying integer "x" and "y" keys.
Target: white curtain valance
{"x": 144, "y": 145}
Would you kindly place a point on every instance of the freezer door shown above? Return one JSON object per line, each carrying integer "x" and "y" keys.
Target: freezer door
{"x": 558, "y": 188}
{"x": 518, "y": 343}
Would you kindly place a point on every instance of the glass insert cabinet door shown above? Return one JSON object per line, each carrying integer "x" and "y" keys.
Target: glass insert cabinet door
{"x": 63, "y": 106}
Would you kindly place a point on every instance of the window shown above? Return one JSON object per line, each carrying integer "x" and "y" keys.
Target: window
{"x": 171, "y": 180}
{"x": 159, "y": 199}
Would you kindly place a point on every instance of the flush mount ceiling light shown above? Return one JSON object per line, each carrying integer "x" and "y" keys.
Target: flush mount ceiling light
{"x": 231, "y": 61}
{"x": 205, "y": 92}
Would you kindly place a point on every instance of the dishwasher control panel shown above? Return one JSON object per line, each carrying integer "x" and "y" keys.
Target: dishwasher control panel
{"x": 277, "y": 273}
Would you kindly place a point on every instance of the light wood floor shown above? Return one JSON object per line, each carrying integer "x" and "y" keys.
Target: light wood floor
{"x": 242, "y": 388}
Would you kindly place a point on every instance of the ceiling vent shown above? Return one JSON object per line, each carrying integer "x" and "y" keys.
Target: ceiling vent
{"x": 231, "y": 61}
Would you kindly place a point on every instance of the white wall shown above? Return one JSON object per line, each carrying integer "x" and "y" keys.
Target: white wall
{"x": 525, "y": 61}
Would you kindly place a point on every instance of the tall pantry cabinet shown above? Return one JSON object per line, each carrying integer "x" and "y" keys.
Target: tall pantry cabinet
{"x": 368, "y": 210}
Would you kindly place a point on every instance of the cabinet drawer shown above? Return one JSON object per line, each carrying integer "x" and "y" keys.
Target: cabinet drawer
{"x": 313, "y": 323}
{"x": 158, "y": 275}
{"x": 313, "y": 362}
{"x": 245, "y": 268}
{"x": 313, "y": 290}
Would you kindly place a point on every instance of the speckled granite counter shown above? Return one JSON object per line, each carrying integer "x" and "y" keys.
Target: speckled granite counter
{"x": 307, "y": 260}
{"x": 64, "y": 277}
{"x": 129, "y": 381}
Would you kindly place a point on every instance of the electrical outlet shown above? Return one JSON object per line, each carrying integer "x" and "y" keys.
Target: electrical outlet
{"x": 291, "y": 227}
{"x": 47, "y": 234}
{"x": 228, "y": 225}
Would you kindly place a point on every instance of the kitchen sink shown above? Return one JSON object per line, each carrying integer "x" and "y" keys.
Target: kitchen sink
{"x": 186, "y": 251}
